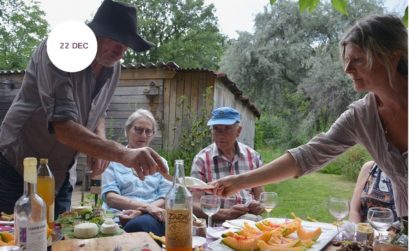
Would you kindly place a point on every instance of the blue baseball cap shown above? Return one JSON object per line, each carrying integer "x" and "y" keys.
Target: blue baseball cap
{"x": 224, "y": 116}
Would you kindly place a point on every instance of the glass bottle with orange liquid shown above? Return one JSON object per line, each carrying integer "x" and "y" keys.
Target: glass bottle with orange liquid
{"x": 46, "y": 189}
{"x": 179, "y": 204}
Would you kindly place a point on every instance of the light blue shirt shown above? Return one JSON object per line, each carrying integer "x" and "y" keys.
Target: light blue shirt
{"x": 120, "y": 179}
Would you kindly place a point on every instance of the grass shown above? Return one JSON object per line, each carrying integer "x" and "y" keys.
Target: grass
{"x": 306, "y": 196}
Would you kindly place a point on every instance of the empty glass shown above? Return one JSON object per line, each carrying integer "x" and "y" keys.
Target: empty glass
{"x": 381, "y": 219}
{"x": 339, "y": 208}
{"x": 210, "y": 204}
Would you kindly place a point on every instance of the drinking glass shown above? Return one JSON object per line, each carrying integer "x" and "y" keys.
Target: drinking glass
{"x": 339, "y": 208}
{"x": 269, "y": 201}
{"x": 210, "y": 204}
{"x": 381, "y": 219}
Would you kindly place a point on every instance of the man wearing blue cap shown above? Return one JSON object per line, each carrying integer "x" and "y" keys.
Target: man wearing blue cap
{"x": 226, "y": 156}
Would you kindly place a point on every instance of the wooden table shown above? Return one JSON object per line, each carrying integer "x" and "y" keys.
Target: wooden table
{"x": 126, "y": 241}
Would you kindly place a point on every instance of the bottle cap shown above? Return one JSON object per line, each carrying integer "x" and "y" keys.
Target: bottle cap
{"x": 30, "y": 170}
{"x": 179, "y": 162}
{"x": 43, "y": 161}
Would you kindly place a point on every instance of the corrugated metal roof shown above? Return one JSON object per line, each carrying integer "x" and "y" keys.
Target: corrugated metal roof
{"x": 173, "y": 66}
{"x": 160, "y": 65}
{"x": 8, "y": 72}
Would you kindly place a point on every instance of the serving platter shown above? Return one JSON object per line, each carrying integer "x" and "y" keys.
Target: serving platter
{"x": 328, "y": 233}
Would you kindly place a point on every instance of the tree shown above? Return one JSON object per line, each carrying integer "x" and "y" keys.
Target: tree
{"x": 184, "y": 31}
{"x": 22, "y": 27}
{"x": 340, "y": 5}
{"x": 290, "y": 67}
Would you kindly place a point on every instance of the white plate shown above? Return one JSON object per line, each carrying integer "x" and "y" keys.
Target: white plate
{"x": 328, "y": 233}
{"x": 4, "y": 222}
{"x": 192, "y": 181}
{"x": 216, "y": 234}
{"x": 195, "y": 183}
{"x": 198, "y": 241}
{"x": 237, "y": 223}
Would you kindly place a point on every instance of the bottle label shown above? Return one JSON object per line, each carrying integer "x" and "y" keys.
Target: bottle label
{"x": 33, "y": 236}
{"x": 178, "y": 228}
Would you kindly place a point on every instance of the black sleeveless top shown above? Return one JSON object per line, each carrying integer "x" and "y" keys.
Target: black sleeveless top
{"x": 377, "y": 192}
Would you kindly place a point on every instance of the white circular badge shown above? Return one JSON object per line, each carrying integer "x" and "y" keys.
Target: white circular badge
{"x": 71, "y": 46}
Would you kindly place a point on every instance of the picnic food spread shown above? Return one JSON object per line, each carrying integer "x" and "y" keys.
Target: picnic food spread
{"x": 87, "y": 223}
{"x": 267, "y": 235}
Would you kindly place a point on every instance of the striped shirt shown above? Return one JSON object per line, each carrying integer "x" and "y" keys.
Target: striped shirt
{"x": 210, "y": 165}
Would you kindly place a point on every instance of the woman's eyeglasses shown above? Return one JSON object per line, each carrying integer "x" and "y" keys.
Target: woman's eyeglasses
{"x": 140, "y": 130}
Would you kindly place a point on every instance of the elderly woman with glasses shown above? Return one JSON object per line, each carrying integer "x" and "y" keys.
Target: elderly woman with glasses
{"x": 141, "y": 202}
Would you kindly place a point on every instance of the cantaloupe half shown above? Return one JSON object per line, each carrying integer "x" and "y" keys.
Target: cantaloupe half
{"x": 308, "y": 235}
{"x": 277, "y": 247}
{"x": 240, "y": 244}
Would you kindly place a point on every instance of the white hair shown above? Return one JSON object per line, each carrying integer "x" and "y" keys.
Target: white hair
{"x": 140, "y": 113}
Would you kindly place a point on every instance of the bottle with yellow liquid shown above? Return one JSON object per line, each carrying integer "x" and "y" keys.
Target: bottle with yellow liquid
{"x": 179, "y": 204}
{"x": 46, "y": 189}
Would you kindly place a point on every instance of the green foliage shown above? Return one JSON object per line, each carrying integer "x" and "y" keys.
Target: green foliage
{"x": 290, "y": 67}
{"x": 22, "y": 27}
{"x": 185, "y": 32}
{"x": 349, "y": 163}
{"x": 195, "y": 136}
{"x": 308, "y": 5}
{"x": 269, "y": 153}
{"x": 340, "y": 6}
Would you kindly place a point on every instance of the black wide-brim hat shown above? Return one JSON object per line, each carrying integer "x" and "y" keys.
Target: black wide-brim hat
{"x": 118, "y": 21}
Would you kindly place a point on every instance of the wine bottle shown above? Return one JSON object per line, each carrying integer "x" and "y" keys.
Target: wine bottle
{"x": 46, "y": 189}
{"x": 30, "y": 213}
{"x": 179, "y": 204}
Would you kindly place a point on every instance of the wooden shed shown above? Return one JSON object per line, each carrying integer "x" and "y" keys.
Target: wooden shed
{"x": 174, "y": 95}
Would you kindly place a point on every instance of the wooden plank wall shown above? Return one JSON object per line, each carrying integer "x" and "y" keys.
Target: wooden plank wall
{"x": 129, "y": 96}
{"x": 183, "y": 100}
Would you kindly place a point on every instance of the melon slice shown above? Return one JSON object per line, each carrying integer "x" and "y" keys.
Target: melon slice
{"x": 240, "y": 244}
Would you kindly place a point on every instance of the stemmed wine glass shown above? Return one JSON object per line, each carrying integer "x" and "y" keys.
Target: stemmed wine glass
{"x": 210, "y": 204}
{"x": 381, "y": 219}
{"x": 339, "y": 208}
{"x": 269, "y": 201}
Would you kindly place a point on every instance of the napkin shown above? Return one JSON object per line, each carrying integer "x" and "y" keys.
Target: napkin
{"x": 347, "y": 230}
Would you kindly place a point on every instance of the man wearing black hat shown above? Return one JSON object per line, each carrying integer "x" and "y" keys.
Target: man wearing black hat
{"x": 57, "y": 114}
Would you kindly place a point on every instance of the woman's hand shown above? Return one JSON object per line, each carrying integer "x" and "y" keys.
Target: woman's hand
{"x": 127, "y": 215}
{"x": 226, "y": 186}
{"x": 157, "y": 212}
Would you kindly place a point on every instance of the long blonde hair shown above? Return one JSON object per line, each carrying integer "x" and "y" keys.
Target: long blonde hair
{"x": 380, "y": 36}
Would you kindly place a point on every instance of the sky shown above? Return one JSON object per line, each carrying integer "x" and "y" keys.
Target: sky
{"x": 233, "y": 15}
